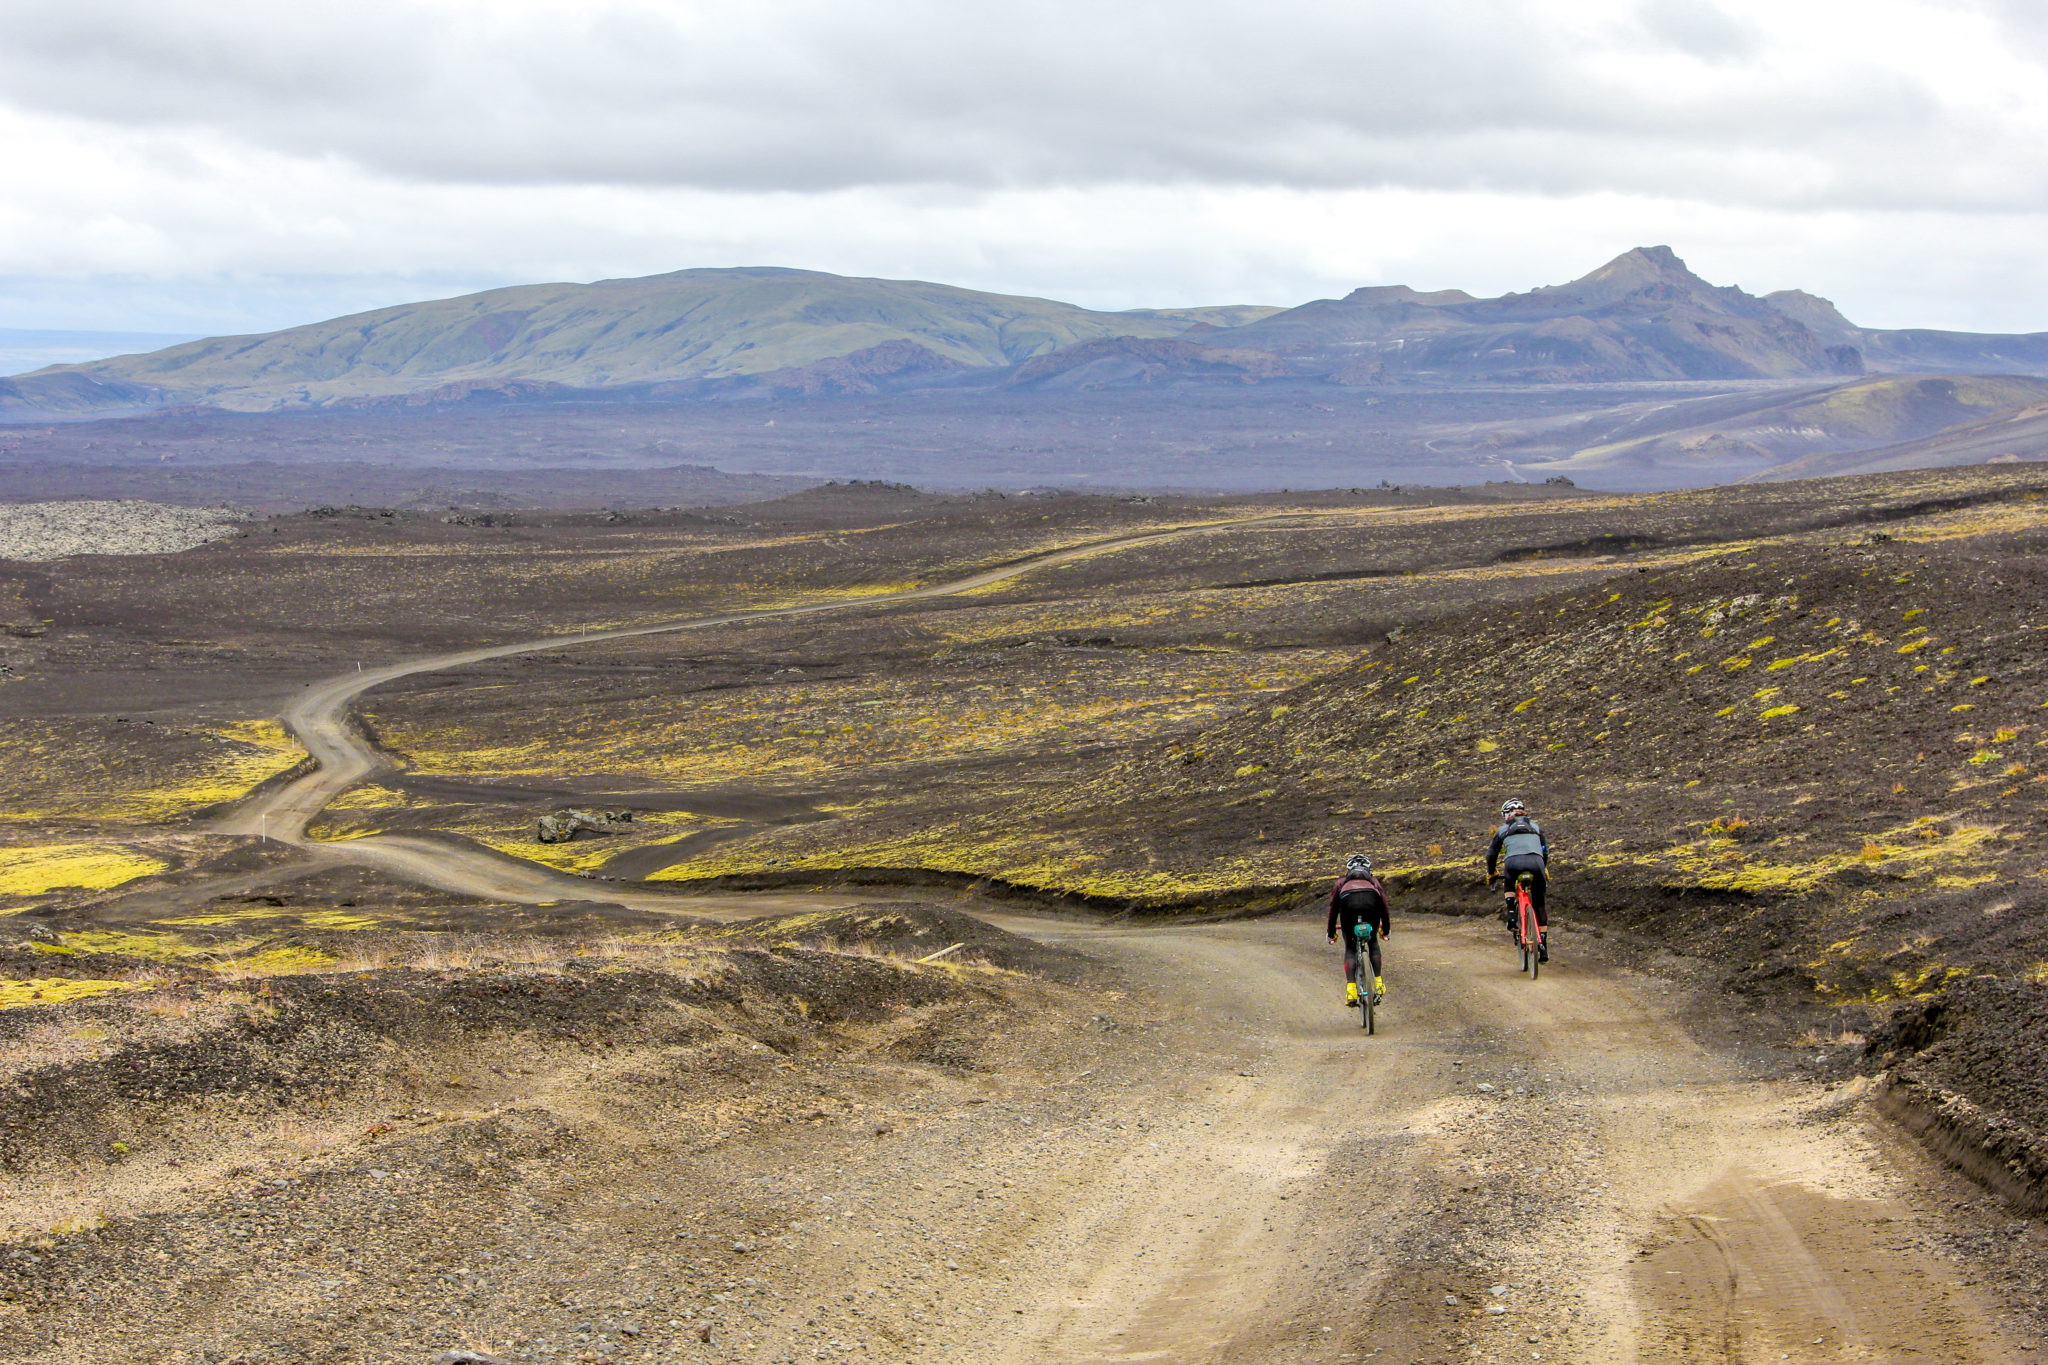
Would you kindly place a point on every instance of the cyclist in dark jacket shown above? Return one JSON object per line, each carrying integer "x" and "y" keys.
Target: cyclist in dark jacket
{"x": 1519, "y": 846}
{"x": 1359, "y": 898}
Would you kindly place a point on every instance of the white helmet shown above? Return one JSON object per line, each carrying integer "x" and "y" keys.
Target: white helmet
{"x": 1512, "y": 807}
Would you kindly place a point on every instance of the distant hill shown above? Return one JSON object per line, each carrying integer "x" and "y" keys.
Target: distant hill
{"x": 692, "y": 325}
{"x": 1703, "y": 383}
{"x": 715, "y": 335}
{"x": 1812, "y": 429}
{"x": 2014, "y": 435}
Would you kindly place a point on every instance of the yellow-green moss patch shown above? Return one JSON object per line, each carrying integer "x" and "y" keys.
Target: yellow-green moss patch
{"x": 14, "y": 994}
{"x": 37, "y": 868}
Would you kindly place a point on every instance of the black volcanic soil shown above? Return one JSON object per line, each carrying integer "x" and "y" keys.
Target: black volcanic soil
{"x": 268, "y": 485}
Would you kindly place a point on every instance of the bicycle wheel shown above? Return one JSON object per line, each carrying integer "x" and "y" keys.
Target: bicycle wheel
{"x": 1365, "y": 1009}
{"x": 1525, "y": 919}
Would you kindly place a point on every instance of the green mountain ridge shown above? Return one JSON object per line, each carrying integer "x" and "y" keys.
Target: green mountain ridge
{"x": 688, "y": 325}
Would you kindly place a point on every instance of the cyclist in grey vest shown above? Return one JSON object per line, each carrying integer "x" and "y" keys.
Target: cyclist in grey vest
{"x": 1518, "y": 847}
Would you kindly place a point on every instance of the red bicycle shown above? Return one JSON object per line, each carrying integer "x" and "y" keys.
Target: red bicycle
{"x": 1528, "y": 933}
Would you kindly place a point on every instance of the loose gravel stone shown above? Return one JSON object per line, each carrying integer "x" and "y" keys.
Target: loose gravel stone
{"x": 57, "y": 530}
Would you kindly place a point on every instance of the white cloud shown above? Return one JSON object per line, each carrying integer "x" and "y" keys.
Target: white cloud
{"x": 225, "y": 164}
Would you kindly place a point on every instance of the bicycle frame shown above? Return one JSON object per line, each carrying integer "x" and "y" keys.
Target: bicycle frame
{"x": 1362, "y": 974}
{"x": 1528, "y": 934}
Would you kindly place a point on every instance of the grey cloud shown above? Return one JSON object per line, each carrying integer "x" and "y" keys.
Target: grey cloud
{"x": 2024, "y": 23}
{"x": 802, "y": 95}
{"x": 1705, "y": 30}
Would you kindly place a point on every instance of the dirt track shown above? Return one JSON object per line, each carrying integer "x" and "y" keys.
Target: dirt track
{"x": 1636, "y": 1197}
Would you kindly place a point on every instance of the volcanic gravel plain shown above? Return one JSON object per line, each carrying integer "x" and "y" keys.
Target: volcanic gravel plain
{"x": 957, "y": 989}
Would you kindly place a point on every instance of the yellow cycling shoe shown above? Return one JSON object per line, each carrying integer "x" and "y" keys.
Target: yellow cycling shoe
{"x": 1351, "y": 992}
{"x": 1379, "y": 986}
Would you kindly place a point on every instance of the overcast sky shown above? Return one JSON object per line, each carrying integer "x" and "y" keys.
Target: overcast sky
{"x": 212, "y": 166}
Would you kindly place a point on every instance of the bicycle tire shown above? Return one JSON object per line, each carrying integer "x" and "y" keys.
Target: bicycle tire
{"x": 1361, "y": 977}
{"x": 1525, "y": 915}
{"x": 1365, "y": 991}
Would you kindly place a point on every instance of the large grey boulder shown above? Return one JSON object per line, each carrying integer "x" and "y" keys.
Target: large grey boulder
{"x": 566, "y": 824}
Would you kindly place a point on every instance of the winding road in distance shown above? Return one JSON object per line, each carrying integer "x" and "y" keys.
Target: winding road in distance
{"x": 320, "y": 719}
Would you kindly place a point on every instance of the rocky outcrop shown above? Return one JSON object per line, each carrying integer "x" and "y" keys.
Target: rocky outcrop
{"x": 566, "y": 824}
{"x": 58, "y": 530}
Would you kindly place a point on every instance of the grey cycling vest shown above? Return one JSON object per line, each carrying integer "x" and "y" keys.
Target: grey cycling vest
{"x": 1519, "y": 838}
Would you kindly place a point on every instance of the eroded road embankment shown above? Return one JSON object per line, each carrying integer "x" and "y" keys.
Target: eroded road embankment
{"x": 342, "y": 755}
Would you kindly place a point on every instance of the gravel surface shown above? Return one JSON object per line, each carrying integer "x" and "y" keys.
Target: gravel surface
{"x": 55, "y": 530}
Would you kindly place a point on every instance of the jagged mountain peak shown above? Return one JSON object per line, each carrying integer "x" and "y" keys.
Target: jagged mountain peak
{"x": 1633, "y": 271}
{"x": 1659, "y": 262}
{"x": 1642, "y": 315}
